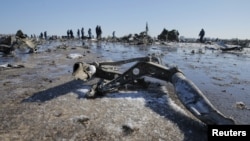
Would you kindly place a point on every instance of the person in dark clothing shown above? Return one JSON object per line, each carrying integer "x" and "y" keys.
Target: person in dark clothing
{"x": 202, "y": 34}
{"x": 98, "y": 32}
{"x": 41, "y": 35}
{"x": 71, "y": 34}
{"x": 78, "y": 33}
{"x": 45, "y": 35}
{"x": 89, "y": 32}
{"x": 113, "y": 34}
{"x": 82, "y": 32}
{"x": 68, "y": 33}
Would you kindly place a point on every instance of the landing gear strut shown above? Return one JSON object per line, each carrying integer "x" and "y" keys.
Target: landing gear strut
{"x": 188, "y": 93}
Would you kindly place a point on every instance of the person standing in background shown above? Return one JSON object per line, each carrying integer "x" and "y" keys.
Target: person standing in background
{"x": 202, "y": 34}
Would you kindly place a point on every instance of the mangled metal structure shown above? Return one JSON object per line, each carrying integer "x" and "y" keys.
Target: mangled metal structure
{"x": 10, "y": 43}
{"x": 7, "y": 45}
{"x": 188, "y": 93}
{"x": 166, "y": 35}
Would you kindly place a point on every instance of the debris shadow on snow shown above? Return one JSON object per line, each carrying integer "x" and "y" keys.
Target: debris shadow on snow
{"x": 159, "y": 102}
{"x": 57, "y": 91}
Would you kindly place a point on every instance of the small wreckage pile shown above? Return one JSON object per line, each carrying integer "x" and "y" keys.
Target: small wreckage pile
{"x": 166, "y": 35}
{"x": 188, "y": 93}
{"x": 9, "y": 43}
{"x": 144, "y": 39}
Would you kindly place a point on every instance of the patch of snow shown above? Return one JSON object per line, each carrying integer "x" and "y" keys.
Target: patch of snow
{"x": 74, "y": 56}
{"x": 128, "y": 91}
{"x": 4, "y": 66}
{"x": 173, "y": 104}
{"x": 83, "y": 90}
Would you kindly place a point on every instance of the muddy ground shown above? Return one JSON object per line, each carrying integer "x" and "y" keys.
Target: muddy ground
{"x": 42, "y": 101}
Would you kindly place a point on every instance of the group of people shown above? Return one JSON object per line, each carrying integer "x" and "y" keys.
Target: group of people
{"x": 80, "y": 33}
{"x": 99, "y": 33}
{"x": 42, "y": 34}
{"x": 70, "y": 34}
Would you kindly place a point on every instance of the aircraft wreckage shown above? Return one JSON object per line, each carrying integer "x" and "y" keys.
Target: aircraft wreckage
{"x": 10, "y": 43}
{"x": 188, "y": 93}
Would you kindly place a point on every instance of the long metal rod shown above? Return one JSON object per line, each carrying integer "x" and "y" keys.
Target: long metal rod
{"x": 144, "y": 59}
